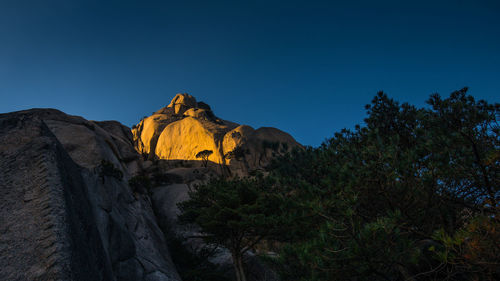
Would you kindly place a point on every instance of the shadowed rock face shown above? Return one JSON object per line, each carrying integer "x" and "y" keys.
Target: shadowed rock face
{"x": 59, "y": 218}
{"x": 186, "y": 127}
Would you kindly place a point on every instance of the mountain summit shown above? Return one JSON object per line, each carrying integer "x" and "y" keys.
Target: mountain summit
{"x": 184, "y": 128}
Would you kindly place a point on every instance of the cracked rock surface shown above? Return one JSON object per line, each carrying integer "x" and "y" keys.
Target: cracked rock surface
{"x": 59, "y": 218}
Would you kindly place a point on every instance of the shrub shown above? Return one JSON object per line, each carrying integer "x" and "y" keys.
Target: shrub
{"x": 194, "y": 265}
{"x": 140, "y": 184}
{"x": 107, "y": 169}
{"x": 237, "y": 153}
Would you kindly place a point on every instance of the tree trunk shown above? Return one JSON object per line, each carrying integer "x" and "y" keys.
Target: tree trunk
{"x": 237, "y": 271}
{"x": 242, "y": 272}
{"x": 238, "y": 267}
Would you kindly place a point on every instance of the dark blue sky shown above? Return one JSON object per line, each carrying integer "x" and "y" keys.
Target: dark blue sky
{"x": 306, "y": 67}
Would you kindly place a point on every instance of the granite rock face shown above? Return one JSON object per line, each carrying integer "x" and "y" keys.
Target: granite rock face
{"x": 61, "y": 218}
{"x": 186, "y": 127}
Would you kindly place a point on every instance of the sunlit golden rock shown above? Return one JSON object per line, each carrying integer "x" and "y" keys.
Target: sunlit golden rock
{"x": 199, "y": 113}
{"x": 236, "y": 137}
{"x": 183, "y": 139}
{"x": 146, "y": 133}
{"x": 186, "y": 127}
{"x": 182, "y": 102}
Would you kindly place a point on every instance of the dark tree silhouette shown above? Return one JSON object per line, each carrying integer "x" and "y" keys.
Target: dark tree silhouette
{"x": 411, "y": 195}
{"x": 236, "y": 214}
{"x": 204, "y": 154}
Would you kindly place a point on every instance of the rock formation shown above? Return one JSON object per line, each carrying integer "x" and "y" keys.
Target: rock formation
{"x": 185, "y": 127}
{"x": 68, "y": 211}
{"x": 61, "y": 218}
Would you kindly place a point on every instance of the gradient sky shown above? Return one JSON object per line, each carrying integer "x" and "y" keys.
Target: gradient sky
{"x": 306, "y": 67}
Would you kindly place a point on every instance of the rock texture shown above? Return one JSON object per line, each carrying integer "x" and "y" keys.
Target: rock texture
{"x": 61, "y": 218}
{"x": 186, "y": 127}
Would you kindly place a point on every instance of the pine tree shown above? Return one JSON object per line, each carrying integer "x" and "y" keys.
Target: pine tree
{"x": 204, "y": 154}
{"x": 236, "y": 214}
{"x": 412, "y": 195}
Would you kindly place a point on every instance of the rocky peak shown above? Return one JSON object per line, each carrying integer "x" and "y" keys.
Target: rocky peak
{"x": 182, "y": 102}
{"x": 185, "y": 105}
{"x": 185, "y": 127}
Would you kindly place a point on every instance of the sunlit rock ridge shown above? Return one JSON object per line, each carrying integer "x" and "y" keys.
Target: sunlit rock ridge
{"x": 186, "y": 127}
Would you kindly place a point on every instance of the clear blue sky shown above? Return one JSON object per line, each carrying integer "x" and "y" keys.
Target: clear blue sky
{"x": 306, "y": 67}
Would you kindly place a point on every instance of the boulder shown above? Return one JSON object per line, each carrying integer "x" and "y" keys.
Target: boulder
{"x": 236, "y": 138}
{"x": 183, "y": 139}
{"x": 148, "y": 130}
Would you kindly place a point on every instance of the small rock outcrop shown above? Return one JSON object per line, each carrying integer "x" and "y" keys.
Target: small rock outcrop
{"x": 185, "y": 127}
{"x": 182, "y": 102}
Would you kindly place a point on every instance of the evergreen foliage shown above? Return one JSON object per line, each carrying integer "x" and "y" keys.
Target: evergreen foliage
{"x": 237, "y": 153}
{"x": 140, "y": 184}
{"x": 194, "y": 265}
{"x": 204, "y": 154}
{"x": 108, "y": 169}
{"x": 236, "y": 214}
{"x": 413, "y": 195}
